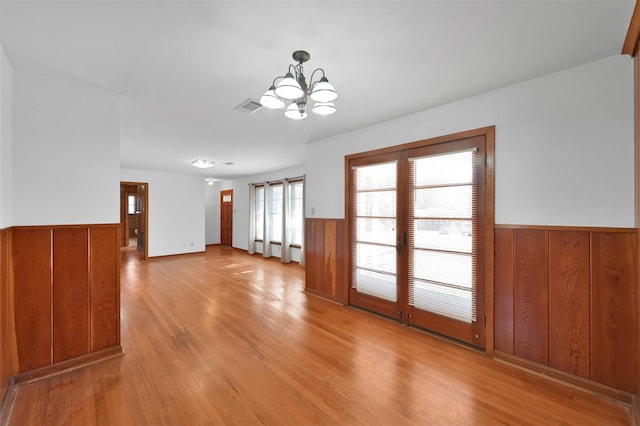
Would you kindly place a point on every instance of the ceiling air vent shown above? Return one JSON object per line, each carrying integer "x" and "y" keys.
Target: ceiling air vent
{"x": 249, "y": 106}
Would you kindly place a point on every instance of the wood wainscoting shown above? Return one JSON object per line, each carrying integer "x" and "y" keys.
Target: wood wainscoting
{"x": 6, "y": 314}
{"x": 325, "y": 259}
{"x": 66, "y": 285}
{"x": 566, "y": 298}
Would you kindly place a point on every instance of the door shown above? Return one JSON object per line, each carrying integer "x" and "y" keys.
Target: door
{"x": 417, "y": 236}
{"x": 376, "y": 234}
{"x": 226, "y": 217}
{"x": 446, "y": 255}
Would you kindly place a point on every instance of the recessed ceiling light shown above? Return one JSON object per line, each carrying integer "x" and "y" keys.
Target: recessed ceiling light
{"x": 202, "y": 164}
{"x": 210, "y": 181}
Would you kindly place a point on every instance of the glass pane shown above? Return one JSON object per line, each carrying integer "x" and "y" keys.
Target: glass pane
{"x": 379, "y": 285}
{"x": 259, "y": 213}
{"x": 450, "y": 302}
{"x": 379, "y": 203}
{"x": 381, "y": 258}
{"x": 455, "y": 201}
{"x": 379, "y": 176}
{"x": 449, "y": 268}
{"x": 132, "y": 204}
{"x": 451, "y": 235}
{"x": 276, "y": 213}
{"x": 452, "y": 168}
{"x": 297, "y": 215}
{"x": 382, "y": 231}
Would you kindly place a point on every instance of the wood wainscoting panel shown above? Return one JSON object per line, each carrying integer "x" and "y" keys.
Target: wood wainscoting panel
{"x": 31, "y": 251}
{"x": 6, "y": 314}
{"x": 503, "y": 317}
{"x": 325, "y": 261}
{"x": 104, "y": 286}
{"x": 531, "y": 295}
{"x": 70, "y": 293}
{"x": 614, "y": 314}
{"x": 569, "y": 344}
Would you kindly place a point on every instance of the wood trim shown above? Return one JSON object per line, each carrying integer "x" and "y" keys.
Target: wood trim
{"x": 146, "y": 214}
{"x": 482, "y": 131}
{"x": 567, "y": 228}
{"x": 68, "y": 365}
{"x": 7, "y": 328}
{"x": 7, "y": 402}
{"x": 635, "y": 411}
{"x": 490, "y": 215}
{"x": 569, "y": 379}
{"x": 633, "y": 33}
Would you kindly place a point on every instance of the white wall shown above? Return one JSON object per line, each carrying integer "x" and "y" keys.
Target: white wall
{"x": 65, "y": 152}
{"x": 564, "y": 147}
{"x": 176, "y": 211}
{"x": 212, "y": 213}
{"x": 241, "y": 203}
{"x": 6, "y": 168}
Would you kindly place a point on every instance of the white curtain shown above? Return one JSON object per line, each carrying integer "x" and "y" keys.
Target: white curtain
{"x": 266, "y": 241}
{"x": 252, "y": 218}
{"x": 287, "y": 232}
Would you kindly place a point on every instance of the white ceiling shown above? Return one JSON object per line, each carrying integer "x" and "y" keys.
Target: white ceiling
{"x": 182, "y": 66}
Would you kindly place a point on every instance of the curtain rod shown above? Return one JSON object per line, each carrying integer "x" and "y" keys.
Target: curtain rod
{"x": 279, "y": 180}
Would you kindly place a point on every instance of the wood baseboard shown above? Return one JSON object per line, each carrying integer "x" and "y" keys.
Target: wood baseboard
{"x": 326, "y": 296}
{"x": 569, "y": 379}
{"x": 69, "y": 365}
{"x": 7, "y": 403}
{"x": 635, "y": 411}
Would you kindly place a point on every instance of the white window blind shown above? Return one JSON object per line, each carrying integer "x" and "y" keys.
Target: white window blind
{"x": 374, "y": 228}
{"x": 442, "y": 234}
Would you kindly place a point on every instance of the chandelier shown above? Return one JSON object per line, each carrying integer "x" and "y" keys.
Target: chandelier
{"x": 293, "y": 87}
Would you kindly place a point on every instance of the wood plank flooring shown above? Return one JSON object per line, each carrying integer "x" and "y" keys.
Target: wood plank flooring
{"x": 226, "y": 338}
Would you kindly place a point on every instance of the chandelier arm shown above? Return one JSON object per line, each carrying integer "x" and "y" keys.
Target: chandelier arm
{"x": 311, "y": 82}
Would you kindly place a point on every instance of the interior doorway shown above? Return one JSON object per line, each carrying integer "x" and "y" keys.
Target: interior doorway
{"x": 226, "y": 218}
{"x": 134, "y": 215}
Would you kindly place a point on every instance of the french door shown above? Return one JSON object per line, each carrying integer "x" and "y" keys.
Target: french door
{"x": 417, "y": 236}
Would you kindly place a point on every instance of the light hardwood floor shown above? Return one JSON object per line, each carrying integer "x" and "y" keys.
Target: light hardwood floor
{"x": 228, "y": 338}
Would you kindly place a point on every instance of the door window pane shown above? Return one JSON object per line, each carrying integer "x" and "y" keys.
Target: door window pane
{"x": 382, "y": 231}
{"x": 381, "y": 258}
{"x": 447, "y": 202}
{"x": 377, "y": 203}
{"x": 455, "y": 168}
{"x": 451, "y": 235}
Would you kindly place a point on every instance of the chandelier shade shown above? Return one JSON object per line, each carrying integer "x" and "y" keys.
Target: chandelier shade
{"x": 293, "y": 87}
{"x": 296, "y": 112}
{"x": 323, "y": 91}
{"x": 288, "y": 88}
{"x": 270, "y": 100}
{"x": 324, "y": 108}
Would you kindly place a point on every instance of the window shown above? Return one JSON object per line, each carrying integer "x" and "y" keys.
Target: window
{"x": 259, "y": 213}
{"x": 274, "y": 206}
{"x": 296, "y": 196}
{"x": 276, "y": 213}
{"x": 131, "y": 204}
